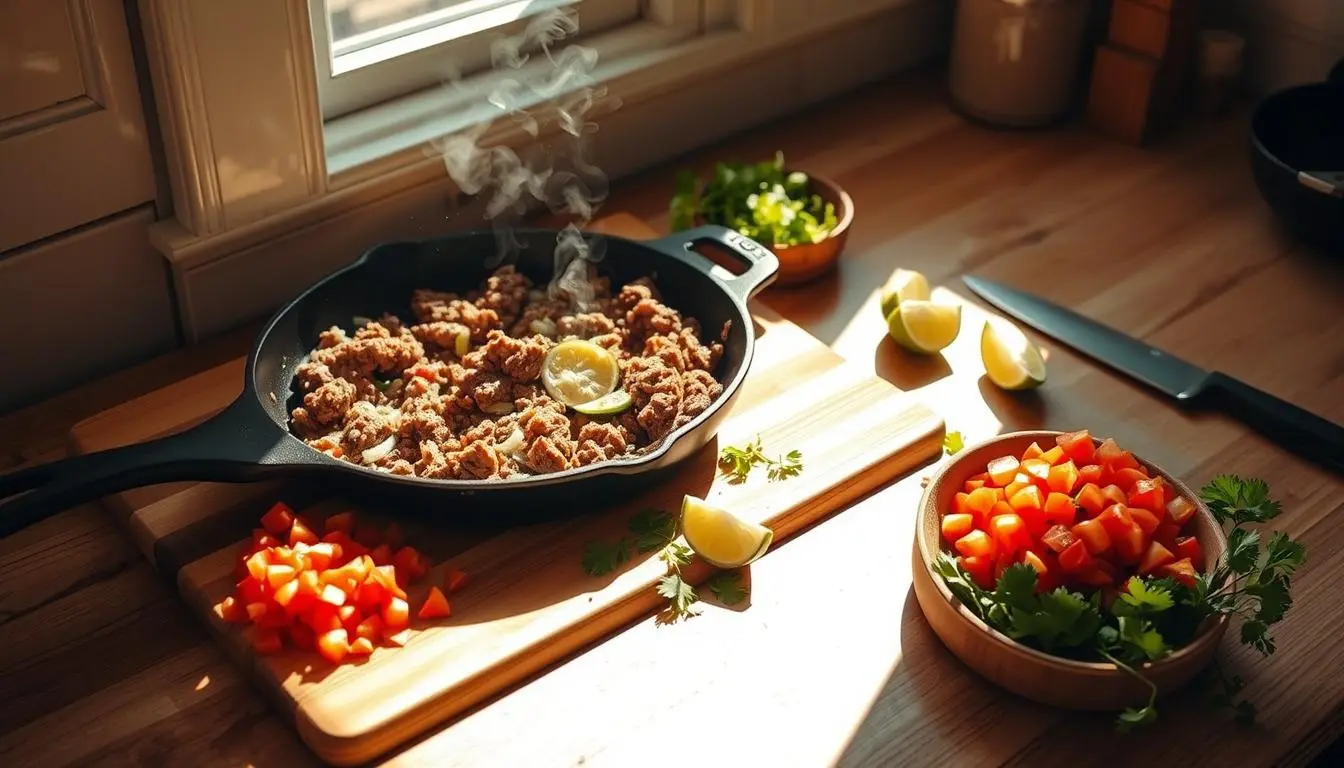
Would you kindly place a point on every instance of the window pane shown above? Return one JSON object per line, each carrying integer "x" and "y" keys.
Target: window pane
{"x": 359, "y": 24}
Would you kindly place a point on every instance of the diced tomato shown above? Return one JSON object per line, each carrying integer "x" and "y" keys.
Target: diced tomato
{"x": 1098, "y": 574}
{"x": 1058, "y": 538}
{"x": 278, "y": 519}
{"x": 1078, "y": 445}
{"x": 1060, "y": 509}
{"x": 257, "y": 565}
{"x": 1020, "y": 480}
{"x": 321, "y": 555}
{"x": 1154, "y": 558}
{"x": 1001, "y": 562}
{"x": 1063, "y": 478}
{"x": 1090, "y": 473}
{"x": 382, "y": 554}
{"x": 1035, "y": 561}
{"x": 386, "y": 575}
{"x": 1036, "y": 521}
{"x": 1181, "y": 570}
{"x": 251, "y": 590}
{"x": 1114, "y": 495}
{"x": 279, "y": 574}
{"x": 1010, "y": 534}
{"x": 981, "y": 501}
{"x": 959, "y": 507}
{"x": 399, "y": 638}
{"x": 1075, "y": 558}
{"x": 263, "y": 539}
{"x": 323, "y": 618}
{"x": 286, "y": 592}
{"x": 1166, "y": 534}
{"x": 1033, "y": 451}
{"x": 1180, "y": 510}
{"x": 981, "y": 569}
{"x": 361, "y": 646}
{"x": 454, "y": 579}
{"x": 1055, "y": 455}
{"x": 977, "y": 543}
{"x": 397, "y": 614}
{"x": 1038, "y": 469}
{"x": 1109, "y": 452}
{"x": 267, "y": 641}
{"x": 333, "y": 645}
{"x": 1146, "y": 520}
{"x": 342, "y": 521}
{"x": 1126, "y": 536}
{"x": 1027, "y": 498}
{"x": 956, "y": 526}
{"x": 435, "y": 606}
{"x": 371, "y": 627}
{"x": 1147, "y": 493}
{"x": 230, "y": 610}
{"x": 972, "y": 485}
{"x": 1127, "y": 478}
{"x": 332, "y": 594}
{"x": 300, "y": 532}
{"x": 1188, "y": 548}
{"x": 1002, "y": 469}
{"x": 409, "y": 561}
{"x": 1091, "y": 499}
{"x": 368, "y": 535}
{"x": 369, "y": 596}
{"x": 1093, "y": 534}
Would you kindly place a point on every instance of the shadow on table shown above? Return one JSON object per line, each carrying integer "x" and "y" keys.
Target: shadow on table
{"x": 907, "y": 370}
{"x": 1015, "y": 410}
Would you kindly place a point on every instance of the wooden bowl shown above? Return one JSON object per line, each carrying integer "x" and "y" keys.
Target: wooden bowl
{"x": 1025, "y": 671}
{"x": 803, "y": 263}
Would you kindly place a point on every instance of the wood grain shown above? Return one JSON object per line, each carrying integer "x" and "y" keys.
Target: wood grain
{"x": 529, "y": 603}
{"x": 832, "y": 660}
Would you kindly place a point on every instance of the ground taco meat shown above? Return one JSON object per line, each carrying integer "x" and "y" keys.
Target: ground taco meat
{"x": 456, "y": 392}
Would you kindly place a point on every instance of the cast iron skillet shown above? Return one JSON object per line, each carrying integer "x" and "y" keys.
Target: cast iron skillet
{"x": 1297, "y": 155}
{"x": 250, "y": 439}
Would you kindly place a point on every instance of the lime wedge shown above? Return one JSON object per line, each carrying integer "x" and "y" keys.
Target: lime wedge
{"x": 923, "y": 326}
{"x": 903, "y": 285}
{"x": 719, "y": 537}
{"x": 607, "y": 405}
{"x": 1011, "y": 360}
{"x": 578, "y": 371}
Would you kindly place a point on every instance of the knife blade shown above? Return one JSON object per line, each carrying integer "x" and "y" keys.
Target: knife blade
{"x": 1292, "y": 427}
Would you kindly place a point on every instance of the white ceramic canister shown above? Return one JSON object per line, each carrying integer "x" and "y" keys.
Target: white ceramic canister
{"x": 1017, "y": 62}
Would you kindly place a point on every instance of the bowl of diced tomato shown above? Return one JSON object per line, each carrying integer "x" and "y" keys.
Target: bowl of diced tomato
{"x": 1090, "y": 519}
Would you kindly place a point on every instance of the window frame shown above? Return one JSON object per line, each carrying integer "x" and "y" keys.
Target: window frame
{"x": 428, "y": 56}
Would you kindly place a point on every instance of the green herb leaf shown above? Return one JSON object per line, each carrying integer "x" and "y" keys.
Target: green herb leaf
{"x": 676, "y": 554}
{"x": 727, "y": 587}
{"x": 1142, "y": 599}
{"x": 737, "y": 462}
{"x": 1017, "y": 587}
{"x": 680, "y": 594}
{"x": 652, "y": 529}
{"x": 952, "y": 443}
{"x": 603, "y": 557}
{"x": 1243, "y": 550}
{"x": 1140, "y": 639}
{"x": 1132, "y": 718}
{"x": 1273, "y": 597}
{"x": 1283, "y": 556}
{"x": 1256, "y": 634}
{"x": 1237, "y": 501}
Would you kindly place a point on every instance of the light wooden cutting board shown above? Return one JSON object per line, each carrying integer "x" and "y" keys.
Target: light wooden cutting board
{"x": 528, "y": 603}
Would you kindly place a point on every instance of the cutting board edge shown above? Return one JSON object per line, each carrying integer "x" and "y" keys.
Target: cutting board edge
{"x": 359, "y": 747}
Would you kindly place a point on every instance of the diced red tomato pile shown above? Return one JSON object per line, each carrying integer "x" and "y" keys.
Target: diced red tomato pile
{"x": 342, "y": 593}
{"x": 1084, "y": 516}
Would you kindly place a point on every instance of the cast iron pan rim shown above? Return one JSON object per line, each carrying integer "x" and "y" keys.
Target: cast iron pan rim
{"x": 1335, "y": 84}
{"x": 626, "y": 466}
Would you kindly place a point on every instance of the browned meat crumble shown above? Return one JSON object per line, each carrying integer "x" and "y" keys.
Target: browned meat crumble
{"x": 420, "y": 399}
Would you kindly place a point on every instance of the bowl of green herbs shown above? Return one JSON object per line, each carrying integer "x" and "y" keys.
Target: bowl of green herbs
{"x": 803, "y": 218}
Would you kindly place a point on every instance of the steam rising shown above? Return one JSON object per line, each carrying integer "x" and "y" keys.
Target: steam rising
{"x": 556, "y": 173}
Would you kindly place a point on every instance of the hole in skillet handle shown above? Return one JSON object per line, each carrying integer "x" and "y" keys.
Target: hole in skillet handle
{"x": 762, "y": 266}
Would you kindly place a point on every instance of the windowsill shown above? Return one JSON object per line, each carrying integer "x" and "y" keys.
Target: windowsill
{"x": 386, "y": 149}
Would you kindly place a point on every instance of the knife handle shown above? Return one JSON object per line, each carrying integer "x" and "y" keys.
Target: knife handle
{"x": 1293, "y": 428}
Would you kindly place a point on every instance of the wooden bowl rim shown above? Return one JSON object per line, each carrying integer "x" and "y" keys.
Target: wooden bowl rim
{"x": 844, "y": 214}
{"x": 1212, "y": 632}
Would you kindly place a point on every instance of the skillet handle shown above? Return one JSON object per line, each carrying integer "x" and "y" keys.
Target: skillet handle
{"x": 233, "y": 446}
{"x": 762, "y": 265}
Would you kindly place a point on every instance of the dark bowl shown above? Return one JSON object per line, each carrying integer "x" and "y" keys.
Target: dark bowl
{"x": 1297, "y": 157}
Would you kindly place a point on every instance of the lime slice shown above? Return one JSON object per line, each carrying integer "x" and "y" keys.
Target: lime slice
{"x": 578, "y": 371}
{"x": 923, "y": 326}
{"x": 607, "y": 405}
{"x": 1011, "y": 360}
{"x": 903, "y": 285}
{"x": 719, "y": 537}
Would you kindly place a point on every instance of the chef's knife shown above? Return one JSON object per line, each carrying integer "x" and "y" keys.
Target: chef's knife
{"x": 1292, "y": 427}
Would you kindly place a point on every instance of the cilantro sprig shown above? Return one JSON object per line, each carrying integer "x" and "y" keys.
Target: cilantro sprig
{"x": 1150, "y": 617}
{"x": 649, "y": 530}
{"x": 760, "y": 200}
{"x": 738, "y": 461}
{"x": 953, "y": 443}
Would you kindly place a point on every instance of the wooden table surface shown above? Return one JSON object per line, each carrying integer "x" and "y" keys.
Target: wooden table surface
{"x": 832, "y": 663}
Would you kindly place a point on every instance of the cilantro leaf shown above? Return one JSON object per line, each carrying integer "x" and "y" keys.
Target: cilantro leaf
{"x": 953, "y": 443}
{"x": 727, "y": 587}
{"x": 1061, "y": 620}
{"x": 1140, "y": 640}
{"x": 1017, "y": 587}
{"x": 1243, "y": 550}
{"x": 652, "y": 529}
{"x": 680, "y": 594}
{"x": 602, "y": 557}
{"x": 1256, "y": 634}
{"x": 1273, "y": 597}
{"x": 1237, "y": 501}
{"x": 676, "y": 554}
{"x": 1282, "y": 555}
{"x": 1142, "y": 599}
{"x": 962, "y": 586}
{"x": 1132, "y": 718}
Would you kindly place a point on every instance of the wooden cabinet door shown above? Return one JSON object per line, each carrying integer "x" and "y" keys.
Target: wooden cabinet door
{"x": 72, "y": 130}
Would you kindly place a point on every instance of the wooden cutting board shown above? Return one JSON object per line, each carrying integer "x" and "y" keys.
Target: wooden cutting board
{"x": 528, "y": 603}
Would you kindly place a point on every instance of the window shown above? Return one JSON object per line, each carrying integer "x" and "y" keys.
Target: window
{"x": 371, "y": 51}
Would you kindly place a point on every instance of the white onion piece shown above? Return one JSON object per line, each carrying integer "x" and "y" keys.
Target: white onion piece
{"x": 380, "y": 450}
{"x": 544, "y": 326}
{"x": 513, "y": 443}
{"x": 498, "y": 409}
